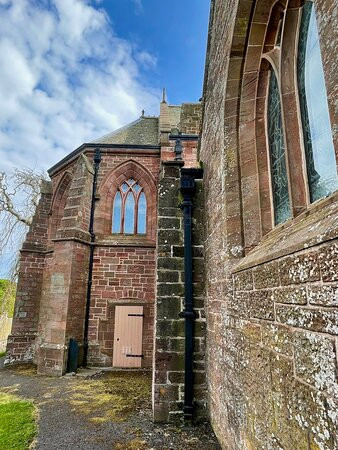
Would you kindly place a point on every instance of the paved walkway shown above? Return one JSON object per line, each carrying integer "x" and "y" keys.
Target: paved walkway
{"x": 100, "y": 412}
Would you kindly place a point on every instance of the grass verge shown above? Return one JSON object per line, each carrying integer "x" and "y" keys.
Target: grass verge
{"x": 17, "y": 422}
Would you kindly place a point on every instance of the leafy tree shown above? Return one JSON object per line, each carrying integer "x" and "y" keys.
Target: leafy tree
{"x": 7, "y": 297}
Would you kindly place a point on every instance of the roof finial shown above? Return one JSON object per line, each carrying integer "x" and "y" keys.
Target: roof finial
{"x": 164, "y": 100}
{"x": 142, "y": 114}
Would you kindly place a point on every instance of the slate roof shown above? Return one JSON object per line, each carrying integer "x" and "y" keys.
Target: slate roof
{"x": 143, "y": 131}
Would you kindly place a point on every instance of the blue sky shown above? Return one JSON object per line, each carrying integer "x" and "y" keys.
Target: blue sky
{"x": 75, "y": 70}
{"x": 174, "y": 32}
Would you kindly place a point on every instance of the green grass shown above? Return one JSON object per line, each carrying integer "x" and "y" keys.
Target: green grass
{"x": 2, "y": 354}
{"x": 17, "y": 422}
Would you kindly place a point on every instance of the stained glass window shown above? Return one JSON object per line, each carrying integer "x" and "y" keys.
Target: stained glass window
{"x": 319, "y": 150}
{"x": 279, "y": 179}
{"x": 130, "y": 209}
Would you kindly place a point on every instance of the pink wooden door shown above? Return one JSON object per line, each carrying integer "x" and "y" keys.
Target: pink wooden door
{"x": 128, "y": 336}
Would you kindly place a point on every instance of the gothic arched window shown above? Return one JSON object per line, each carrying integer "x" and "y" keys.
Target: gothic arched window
{"x": 317, "y": 135}
{"x": 130, "y": 209}
{"x": 279, "y": 177}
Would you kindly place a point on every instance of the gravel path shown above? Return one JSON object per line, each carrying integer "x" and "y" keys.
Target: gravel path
{"x": 64, "y": 425}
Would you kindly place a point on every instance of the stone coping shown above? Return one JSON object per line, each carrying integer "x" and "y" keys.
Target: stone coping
{"x": 313, "y": 227}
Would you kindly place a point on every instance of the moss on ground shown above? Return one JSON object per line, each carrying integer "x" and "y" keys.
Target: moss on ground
{"x": 17, "y": 422}
{"x": 25, "y": 369}
{"x": 114, "y": 397}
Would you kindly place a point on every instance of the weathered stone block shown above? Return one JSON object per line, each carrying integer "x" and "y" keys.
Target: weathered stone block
{"x": 168, "y": 276}
{"x": 261, "y": 305}
{"x": 293, "y": 295}
{"x": 170, "y": 289}
{"x": 321, "y": 320}
{"x": 168, "y": 194}
{"x": 176, "y": 377}
{"x": 170, "y": 361}
{"x": 328, "y": 259}
{"x": 164, "y": 250}
{"x": 198, "y": 251}
{"x": 239, "y": 304}
{"x": 278, "y": 338}
{"x": 169, "y": 223}
{"x": 198, "y": 266}
{"x": 200, "y": 327}
{"x": 171, "y": 171}
{"x": 168, "y": 308}
{"x": 178, "y": 251}
{"x": 170, "y": 328}
{"x": 315, "y": 361}
{"x": 161, "y": 412}
{"x": 299, "y": 269}
{"x": 177, "y": 344}
{"x": 323, "y": 295}
{"x": 169, "y": 237}
{"x": 266, "y": 276}
{"x": 165, "y": 211}
{"x": 311, "y": 411}
{"x": 198, "y": 289}
{"x": 243, "y": 281}
{"x": 173, "y": 263}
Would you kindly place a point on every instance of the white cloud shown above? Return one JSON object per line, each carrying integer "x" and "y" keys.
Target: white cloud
{"x": 65, "y": 79}
{"x": 138, "y": 6}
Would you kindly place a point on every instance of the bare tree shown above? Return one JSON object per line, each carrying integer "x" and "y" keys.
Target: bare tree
{"x": 19, "y": 196}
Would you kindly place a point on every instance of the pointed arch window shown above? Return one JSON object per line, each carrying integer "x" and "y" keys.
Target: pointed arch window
{"x": 279, "y": 177}
{"x": 317, "y": 134}
{"x": 130, "y": 209}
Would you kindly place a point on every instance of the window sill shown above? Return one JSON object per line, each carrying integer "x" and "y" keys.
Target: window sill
{"x": 316, "y": 225}
{"x": 132, "y": 240}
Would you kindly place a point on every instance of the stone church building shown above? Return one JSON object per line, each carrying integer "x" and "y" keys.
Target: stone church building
{"x": 203, "y": 243}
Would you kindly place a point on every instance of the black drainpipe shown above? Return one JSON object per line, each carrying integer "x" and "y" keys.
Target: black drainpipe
{"x": 188, "y": 177}
{"x": 97, "y": 160}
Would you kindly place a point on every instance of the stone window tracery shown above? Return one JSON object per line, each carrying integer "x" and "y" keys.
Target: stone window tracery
{"x": 130, "y": 209}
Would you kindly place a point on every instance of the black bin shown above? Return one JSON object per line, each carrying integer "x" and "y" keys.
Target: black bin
{"x": 73, "y": 354}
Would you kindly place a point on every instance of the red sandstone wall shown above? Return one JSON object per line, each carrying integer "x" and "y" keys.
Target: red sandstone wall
{"x": 64, "y": 283}
{"x": 110, "y": 160}
{"x": 271, "y": 315}
{"x": 122, "y": 276}
{"x": 189, "y": 154}
{"x": 124, "y": 268}
{"x": 20, "y": 345}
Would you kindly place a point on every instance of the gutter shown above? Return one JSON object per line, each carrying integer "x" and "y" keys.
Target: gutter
{"x": 188, "y": 186}
{"x": 184, "y": 137}
{"x": 97, "y": 160}
{"x": 123, "y": 148}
